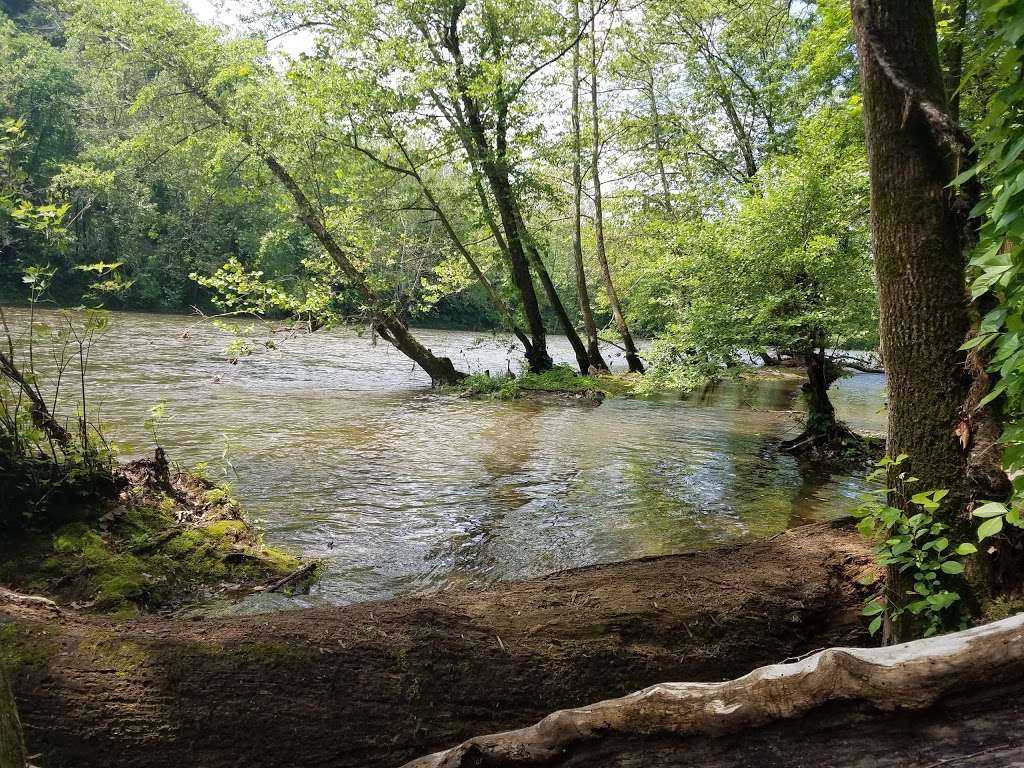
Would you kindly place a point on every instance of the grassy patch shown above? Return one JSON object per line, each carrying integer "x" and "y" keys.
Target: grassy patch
{"x": 559, "y": 380}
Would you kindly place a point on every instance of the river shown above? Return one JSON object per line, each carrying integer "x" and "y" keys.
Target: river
{"x": 340, "y": 450}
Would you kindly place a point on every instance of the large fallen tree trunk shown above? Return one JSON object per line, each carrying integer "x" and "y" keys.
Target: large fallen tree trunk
{"x": 873, "y": 695}
{"x": 377, "y": 684}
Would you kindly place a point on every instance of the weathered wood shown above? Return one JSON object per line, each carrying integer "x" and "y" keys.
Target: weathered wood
{"x": 911, "y": 676}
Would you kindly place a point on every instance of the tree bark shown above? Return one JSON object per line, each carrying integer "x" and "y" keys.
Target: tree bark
{"x": 632, "y": 358}
{"x": 579, "y": 350}
{"x": 916, "y": 239}
{"x": 12, "y": 742}
{"x": 913, "y": 676}
{"x": 920, "y": 231}
{"x": 375, "y": 684}
{"x": 821, "y": 414}
{"x": 582, "y": 291}
{"x": 493, "y": 163}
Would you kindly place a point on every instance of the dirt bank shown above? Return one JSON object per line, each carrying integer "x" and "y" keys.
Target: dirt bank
{"x": 377, "y": 684}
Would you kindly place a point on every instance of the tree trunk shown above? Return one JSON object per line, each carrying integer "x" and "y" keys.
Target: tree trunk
{"x": 12, "y": 743}
{"x": 632, "y": 358}
{"x": 582, "y": 291}
{"x": 493, "y": 163}
{"x": 821, "y": 414}
{"x": 916, "y": 238}
{"x": 918, "y": 233}
{"x": 440, "y": 369}
{"x": 375, "y": 684}
{"x": 675, "y": 724}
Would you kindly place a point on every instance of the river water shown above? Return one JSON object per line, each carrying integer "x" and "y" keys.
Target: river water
{"x": 339, "y": 449}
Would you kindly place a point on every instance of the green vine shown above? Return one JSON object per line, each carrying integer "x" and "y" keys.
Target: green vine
{"x": 909, "y": 539}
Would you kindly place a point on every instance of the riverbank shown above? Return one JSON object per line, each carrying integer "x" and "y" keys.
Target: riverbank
{"x": 377, "y": 683}
{"x": 161, "y": 539}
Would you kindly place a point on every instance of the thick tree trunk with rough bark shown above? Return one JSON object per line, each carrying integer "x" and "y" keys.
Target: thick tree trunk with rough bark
{"x": 632, "y": 357}
{"x": 12, "y": 742}
{"x": 835, "y": 708}
{"x": 916, "y": 237}
{"x": 376, "y": 684}
{"x": 920, "y": 233}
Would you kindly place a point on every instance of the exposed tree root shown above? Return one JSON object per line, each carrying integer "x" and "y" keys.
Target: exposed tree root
{"x": 909, "y": 676}
{"x": 835, "y": 444}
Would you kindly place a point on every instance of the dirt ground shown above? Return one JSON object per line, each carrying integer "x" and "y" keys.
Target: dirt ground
{"x": 376, "y": 684}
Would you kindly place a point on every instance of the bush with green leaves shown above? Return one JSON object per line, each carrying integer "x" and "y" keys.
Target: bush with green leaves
{"x": 910, "y": 540}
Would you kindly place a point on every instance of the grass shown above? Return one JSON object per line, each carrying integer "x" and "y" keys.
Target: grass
{"x": 561, "y": 379}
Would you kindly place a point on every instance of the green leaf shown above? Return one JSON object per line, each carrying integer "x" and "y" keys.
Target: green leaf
{"x": 966, "y": 549}
{"x": 875, "y": 625}
{"x": 991, "y": 509}
{"x": 990, "y": 527}
{"x": 873, "y": 607}
{"x": 952, "y": 567}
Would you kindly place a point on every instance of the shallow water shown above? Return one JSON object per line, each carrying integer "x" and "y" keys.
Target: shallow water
{"x": 340, "y": 450}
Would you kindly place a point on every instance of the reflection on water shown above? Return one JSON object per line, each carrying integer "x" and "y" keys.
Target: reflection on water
{"x": 343, "y": 454}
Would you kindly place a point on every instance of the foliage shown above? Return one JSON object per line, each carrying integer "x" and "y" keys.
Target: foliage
{"x": 912, "y": 541}
{"x": 998, "y": 260}
{"x": 560, "y": 379}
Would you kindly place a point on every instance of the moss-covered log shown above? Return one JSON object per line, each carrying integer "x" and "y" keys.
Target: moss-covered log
{"x": 377, "y": 684}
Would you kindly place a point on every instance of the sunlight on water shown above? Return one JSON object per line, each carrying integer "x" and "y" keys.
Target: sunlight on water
{"x": 338, "y": 448}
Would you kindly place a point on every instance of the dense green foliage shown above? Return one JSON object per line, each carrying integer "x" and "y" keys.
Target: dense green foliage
{"x": 999, "y": 258}
{"x": 711, "y": 143}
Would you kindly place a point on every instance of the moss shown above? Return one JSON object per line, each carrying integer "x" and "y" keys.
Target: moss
{"x": 21, "y": 645}
{"x": 138, "y": 557}
{"x": 1001, "y": 608}
{"x": 560, "y": 379}
{"x": 108, "y": 650}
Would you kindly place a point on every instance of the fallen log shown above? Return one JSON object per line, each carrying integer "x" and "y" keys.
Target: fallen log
{"x": 667, "y": 723}
{"x": 377, "y": 684}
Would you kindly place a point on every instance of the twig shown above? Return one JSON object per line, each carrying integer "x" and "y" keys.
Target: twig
{"x": 291, "y": 577}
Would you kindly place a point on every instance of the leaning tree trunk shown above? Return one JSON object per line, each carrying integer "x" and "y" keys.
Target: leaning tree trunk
{"x": 675, "y": 724}
{"x": 12, "y": 743}
{"x": 440, "y": 369}
{"x": 632, "y": 357}
{"x": 919, "y": 232}
{"x": 582, "y": 291}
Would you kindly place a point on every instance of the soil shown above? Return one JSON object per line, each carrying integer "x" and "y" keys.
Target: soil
{"x": 376, "y": 684}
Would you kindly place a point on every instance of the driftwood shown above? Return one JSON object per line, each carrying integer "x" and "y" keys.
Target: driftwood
{"x": 911, "y": 676}
{"x": 296, "y": 575}
{"x": 7, "y": 597}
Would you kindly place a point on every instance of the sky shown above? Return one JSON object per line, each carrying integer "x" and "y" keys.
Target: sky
{"x": 226, "y": 12}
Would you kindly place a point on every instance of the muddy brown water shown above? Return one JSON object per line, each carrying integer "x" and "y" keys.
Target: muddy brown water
{"x": 340, "y": 450}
